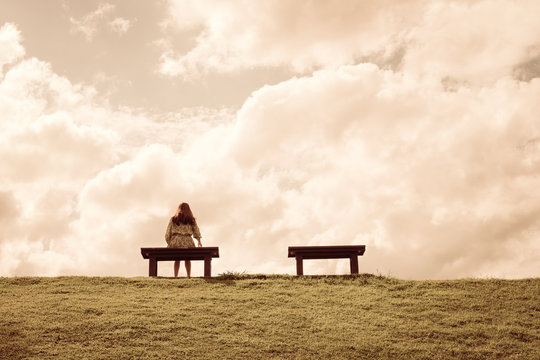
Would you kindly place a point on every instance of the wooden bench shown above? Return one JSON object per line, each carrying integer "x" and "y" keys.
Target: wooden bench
{"x": 326, "y": 252}
{"x": 172, "y": 254}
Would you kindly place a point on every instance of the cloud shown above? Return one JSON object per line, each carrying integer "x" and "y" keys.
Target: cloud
{"x": 473, "y": 41}
{"x": 89, "y": 24}
{"x": 8, "y": 206}
{"x": 10, "y": 47}
{"x": 50, "y": 145}
{"x": 435, "y": 182}
{"x": 121, "y": 25}
{"x": 74, "y": 174}
{"x": 530, "y": 68}
{"x": 244, "y": 34}
{"x": 436, "y": 174}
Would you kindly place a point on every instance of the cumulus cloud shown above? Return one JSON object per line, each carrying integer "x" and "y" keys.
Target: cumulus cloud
{"x": 432, "y": 161}
{"x": 57, "y": 139}
{"x": 8, "y": 206}
{"x": 299, "y": 34}
{"x": 435, "y": 182}
{"x": 470, "y": 40}
{"x": 473, "y": 41}
{"x": 10, "y": 46}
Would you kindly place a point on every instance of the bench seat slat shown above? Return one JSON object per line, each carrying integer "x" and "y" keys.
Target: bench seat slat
{"x": 308, "y": 256}
{"x": 320, "y": 252}
{"x": 172, "y": 253}
{"x": 181, "y": 258}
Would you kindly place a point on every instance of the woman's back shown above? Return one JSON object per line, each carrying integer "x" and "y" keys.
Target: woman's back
{"x": 182, "y": 226}
{"x": 179, "y": 228}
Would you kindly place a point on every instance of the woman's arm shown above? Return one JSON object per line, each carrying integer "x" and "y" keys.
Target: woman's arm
{"x": 196, "y": 232}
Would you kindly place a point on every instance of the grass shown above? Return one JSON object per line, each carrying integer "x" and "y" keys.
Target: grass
{"x": 238, "y": 316}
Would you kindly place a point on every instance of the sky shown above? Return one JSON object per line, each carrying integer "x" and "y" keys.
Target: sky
{"x": 412, "y": 127}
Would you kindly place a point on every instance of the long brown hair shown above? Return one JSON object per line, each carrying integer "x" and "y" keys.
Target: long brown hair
{"x": 183, "y": 215}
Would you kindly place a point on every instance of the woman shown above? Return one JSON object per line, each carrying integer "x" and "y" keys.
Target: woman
{"x": 179, "y": 231}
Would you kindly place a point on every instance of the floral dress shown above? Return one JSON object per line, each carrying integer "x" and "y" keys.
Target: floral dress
{"x": 179, "y": 236}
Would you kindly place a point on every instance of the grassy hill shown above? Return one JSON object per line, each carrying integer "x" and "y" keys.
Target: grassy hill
{"x": 265, "y": 317}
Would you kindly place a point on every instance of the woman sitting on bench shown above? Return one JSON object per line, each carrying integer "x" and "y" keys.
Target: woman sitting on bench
{"x": 179, "y": 231}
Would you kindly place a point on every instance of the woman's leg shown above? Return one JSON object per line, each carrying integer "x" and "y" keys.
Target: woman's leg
{"x": 176, "y": 268}
{"x": 188, "y": 268}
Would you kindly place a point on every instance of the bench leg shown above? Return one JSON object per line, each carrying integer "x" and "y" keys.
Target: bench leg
{"x": 152, "y": 268}
{"x": 299, "y": 265}
{"x": 207, "y": 266}
{"x": 354, "y": 264}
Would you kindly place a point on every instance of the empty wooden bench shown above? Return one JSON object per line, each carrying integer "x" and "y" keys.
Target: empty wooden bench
{"x": 326, "y": 252}
{"x": 172, "y": 254}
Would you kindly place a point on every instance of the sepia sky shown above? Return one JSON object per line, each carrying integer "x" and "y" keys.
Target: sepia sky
{"x": 412, "y": 127}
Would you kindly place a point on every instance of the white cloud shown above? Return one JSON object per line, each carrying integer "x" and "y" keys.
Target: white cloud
{"x": 472, "y": 41}
{"x": 480, "y": 40}
{"x": 57, "y": 139}
{"x": 89, "y": 23}
{"x": 413, "y": 170}
{"x": 121, "y": 25}
{"x": 438, "y": 178}
{"x": 438, "y": 184}
{"x": 10, "y": 47}
{"x": 244, "y": 34}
